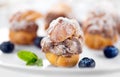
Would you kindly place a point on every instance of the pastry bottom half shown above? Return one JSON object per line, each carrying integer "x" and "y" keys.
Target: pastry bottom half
{"x": 62, "y": 61}
{"x": 99, "y": 42}
{"x": 22, "y": 37}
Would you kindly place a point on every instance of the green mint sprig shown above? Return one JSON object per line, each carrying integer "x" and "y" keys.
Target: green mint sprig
{"x": 30, "y": 58}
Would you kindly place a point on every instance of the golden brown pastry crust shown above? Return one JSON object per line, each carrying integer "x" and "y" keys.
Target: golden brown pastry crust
{"x": 22, "y": 37}
{"x": 97, "y": 41}
{"x": 62, "y": 61}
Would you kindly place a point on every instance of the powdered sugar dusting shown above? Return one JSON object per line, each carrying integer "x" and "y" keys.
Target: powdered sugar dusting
{"x": 19, "y": 24}
{"x": 21, "y": 20}
{"x": 66, "y": 21}
{"x": 101, "y": 20}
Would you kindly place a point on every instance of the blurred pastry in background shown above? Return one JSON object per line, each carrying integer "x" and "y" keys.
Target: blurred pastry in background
{"x": 58, "y": 10}
{"x": 100, "y": 29}
{"x": 63, "y": 44}
{"x": 23, "y": 28}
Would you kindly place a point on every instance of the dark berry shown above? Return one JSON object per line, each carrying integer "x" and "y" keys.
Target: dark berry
{"x": 86, "y": 62}
{"x": 7, "y": 47}
{"x": 110, "y": 51}
{"x": 37, "y": 41}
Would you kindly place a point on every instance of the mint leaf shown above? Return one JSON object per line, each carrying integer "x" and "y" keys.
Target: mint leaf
{"x": 39, "y": 62}
{"x": 27, "y": 56}
{"x": 30, "y": 63}
{"x": 30, "y": 58}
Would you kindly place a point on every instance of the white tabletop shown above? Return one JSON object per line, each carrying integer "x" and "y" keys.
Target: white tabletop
{"x": 11, "y": 73}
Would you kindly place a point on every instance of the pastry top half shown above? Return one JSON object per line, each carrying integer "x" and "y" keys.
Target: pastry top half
{"x": 24, "y": 21}
{"x": 100, "y": 22}
{"x": 117, "y": 19}
{"x": 64, "y": 38}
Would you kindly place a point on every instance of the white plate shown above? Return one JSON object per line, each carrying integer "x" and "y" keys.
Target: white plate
{"x": 11, "y": 61}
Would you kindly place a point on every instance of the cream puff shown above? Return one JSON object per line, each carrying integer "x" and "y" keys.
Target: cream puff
{"x": 63, "y": 44}
{"x": 100, "y": 30}
{"x": 58, "y": 10}
{"x": 23, "y": 29}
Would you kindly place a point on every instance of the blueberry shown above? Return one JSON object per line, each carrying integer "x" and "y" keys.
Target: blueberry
{"x": 37, "y": 41}
{"x": 86, "y": 62}
{"x": 7, "y": 47}
{"x": 110, "y": 51}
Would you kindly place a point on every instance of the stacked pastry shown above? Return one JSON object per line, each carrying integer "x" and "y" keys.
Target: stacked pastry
{"x": 63, "y": 44}
{"x": 100, "y": 30}
{"x": 23, "y": 29}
